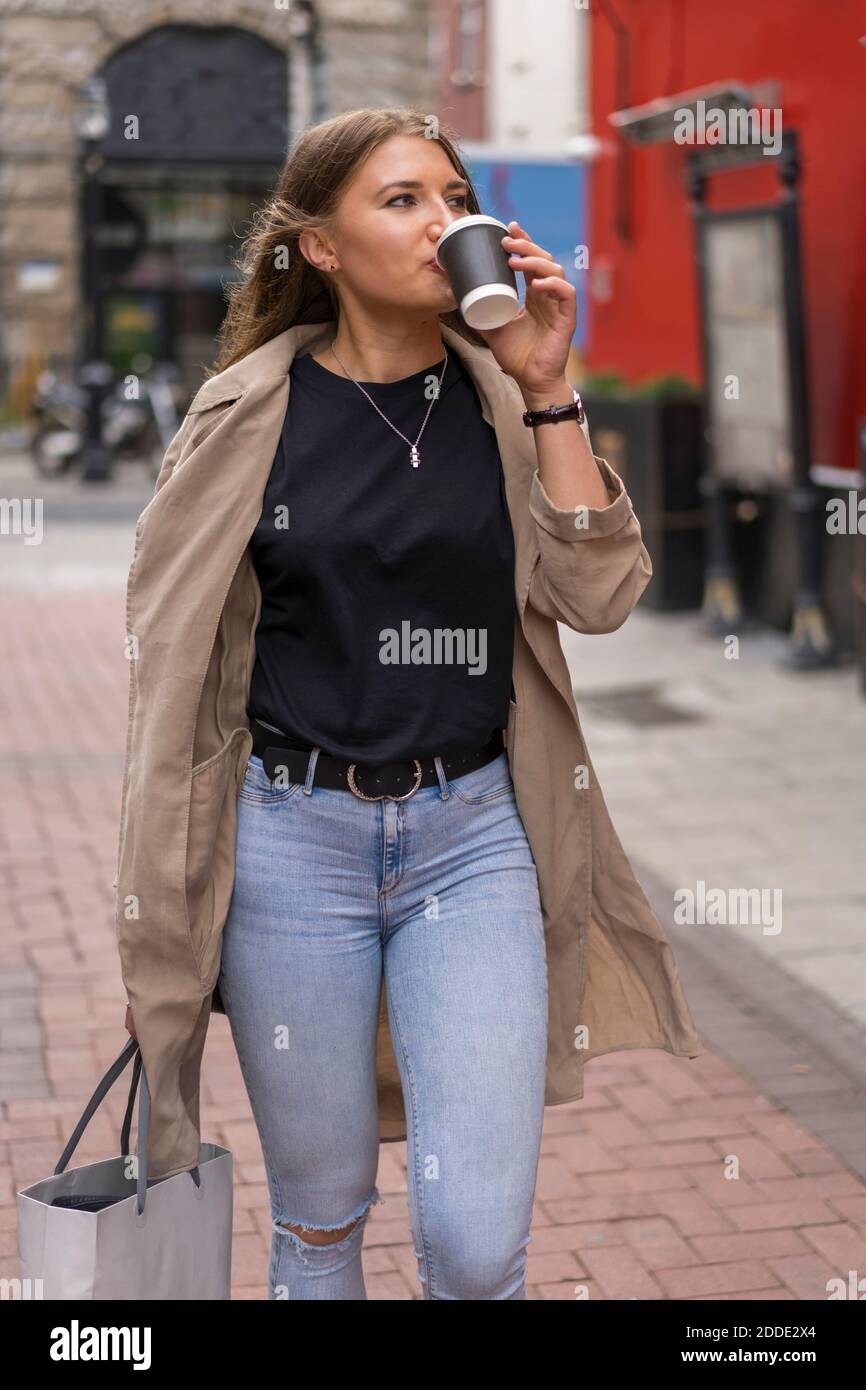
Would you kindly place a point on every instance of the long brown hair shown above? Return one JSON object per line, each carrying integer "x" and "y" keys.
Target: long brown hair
{"x": 279, "y": 287}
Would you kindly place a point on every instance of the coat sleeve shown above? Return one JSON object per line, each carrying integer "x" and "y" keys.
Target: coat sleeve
{"x": 593, "y": 565}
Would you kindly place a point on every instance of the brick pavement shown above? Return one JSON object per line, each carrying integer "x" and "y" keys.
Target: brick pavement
{"x": 761, "y": 781}
{"x": 633, "y": 1201}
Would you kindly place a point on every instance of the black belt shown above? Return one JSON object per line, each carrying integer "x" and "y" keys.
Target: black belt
{"x": 397, "y": 780}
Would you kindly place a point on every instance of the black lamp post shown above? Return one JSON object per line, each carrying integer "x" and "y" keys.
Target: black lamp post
{"x": 95, "y": 375}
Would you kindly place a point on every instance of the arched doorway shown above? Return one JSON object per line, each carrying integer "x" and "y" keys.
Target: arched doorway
{"x": 197, "y": 133}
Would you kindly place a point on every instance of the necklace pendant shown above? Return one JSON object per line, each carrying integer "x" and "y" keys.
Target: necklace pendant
{"x": 414, "y": 457}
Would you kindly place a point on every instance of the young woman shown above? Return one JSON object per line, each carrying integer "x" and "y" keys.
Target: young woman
{"x": 382, "y": 549}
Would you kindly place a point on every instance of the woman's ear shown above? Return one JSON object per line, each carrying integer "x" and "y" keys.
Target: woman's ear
{"x": 313, "y": 249}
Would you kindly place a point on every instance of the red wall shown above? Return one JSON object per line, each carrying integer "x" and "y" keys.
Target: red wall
{"x": 650, "y": 324}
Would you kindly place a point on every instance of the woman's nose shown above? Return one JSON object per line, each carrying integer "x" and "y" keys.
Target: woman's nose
{"x": 438, "y": 227}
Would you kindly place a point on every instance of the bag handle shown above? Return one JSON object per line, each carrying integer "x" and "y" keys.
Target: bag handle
{"x": 132, "y": 1049}
{"x": 130, "y": 1105}
{"x": 108, "y": 1080}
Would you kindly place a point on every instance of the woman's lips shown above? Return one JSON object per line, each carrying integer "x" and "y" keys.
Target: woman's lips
{"x": 433, "y": 266}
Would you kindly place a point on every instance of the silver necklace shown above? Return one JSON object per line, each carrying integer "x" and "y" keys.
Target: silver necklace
{"x": 414, "y": 456}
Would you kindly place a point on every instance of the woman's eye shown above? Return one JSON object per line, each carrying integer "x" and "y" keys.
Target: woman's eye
{"x": 459, "y": 197}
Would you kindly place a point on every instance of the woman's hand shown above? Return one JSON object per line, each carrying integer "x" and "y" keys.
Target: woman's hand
{"x": 533, "y": 348}
{"x": 128, "y": 1023}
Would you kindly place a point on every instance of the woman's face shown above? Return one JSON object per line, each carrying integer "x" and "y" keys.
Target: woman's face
{"x": 385, "y": 234}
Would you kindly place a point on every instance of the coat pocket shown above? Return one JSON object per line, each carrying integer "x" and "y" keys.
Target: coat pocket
{"x": 210, "y": 846}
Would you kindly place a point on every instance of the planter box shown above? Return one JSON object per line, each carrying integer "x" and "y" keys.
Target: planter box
{"x": 657, "y": 449}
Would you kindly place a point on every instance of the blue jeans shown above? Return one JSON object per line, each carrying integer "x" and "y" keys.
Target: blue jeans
{"x": 439, "y": 892}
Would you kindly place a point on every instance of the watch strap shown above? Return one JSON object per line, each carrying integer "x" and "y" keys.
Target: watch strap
{"x": 554, "y": 413}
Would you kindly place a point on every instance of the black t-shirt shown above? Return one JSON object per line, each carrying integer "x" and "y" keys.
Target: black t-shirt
{"x": 364, "y": 561}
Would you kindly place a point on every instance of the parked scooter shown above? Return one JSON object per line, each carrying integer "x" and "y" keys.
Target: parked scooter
{"x": 138, "y": 428}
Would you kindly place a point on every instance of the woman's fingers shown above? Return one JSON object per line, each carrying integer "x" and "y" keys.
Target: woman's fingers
{"x": 519, "y": 241}
{"x": 539, "y": 264}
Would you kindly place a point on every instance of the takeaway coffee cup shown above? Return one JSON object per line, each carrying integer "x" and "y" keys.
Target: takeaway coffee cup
{"x": 471, "y": 253}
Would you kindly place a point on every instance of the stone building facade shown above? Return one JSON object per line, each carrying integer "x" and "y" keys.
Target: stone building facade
{"x": 320, "y": 57}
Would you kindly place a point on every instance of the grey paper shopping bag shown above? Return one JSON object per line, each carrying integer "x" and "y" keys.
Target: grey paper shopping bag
{"x": 93, "y": 1233}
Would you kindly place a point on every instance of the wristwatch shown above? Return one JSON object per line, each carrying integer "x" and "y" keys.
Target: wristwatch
{"x": 554, "y": 413}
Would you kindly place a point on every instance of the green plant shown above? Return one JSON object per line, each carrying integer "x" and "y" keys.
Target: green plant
{"x": 604, "y": 384}
{"x": 665, "y": 386}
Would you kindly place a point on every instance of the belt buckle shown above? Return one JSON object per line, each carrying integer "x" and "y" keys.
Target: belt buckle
{"x": 363, "y": 796}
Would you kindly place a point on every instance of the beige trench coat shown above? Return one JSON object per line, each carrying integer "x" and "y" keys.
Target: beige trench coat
{"x": 193, "y": 604}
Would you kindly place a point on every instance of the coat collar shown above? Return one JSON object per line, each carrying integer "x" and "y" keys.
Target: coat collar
{"x": 272, "y": 360}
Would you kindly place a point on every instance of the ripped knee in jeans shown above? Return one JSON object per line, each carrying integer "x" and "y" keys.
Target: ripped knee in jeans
{"x": 321, "y": 1235}
{"x": 312, "y": 1235}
